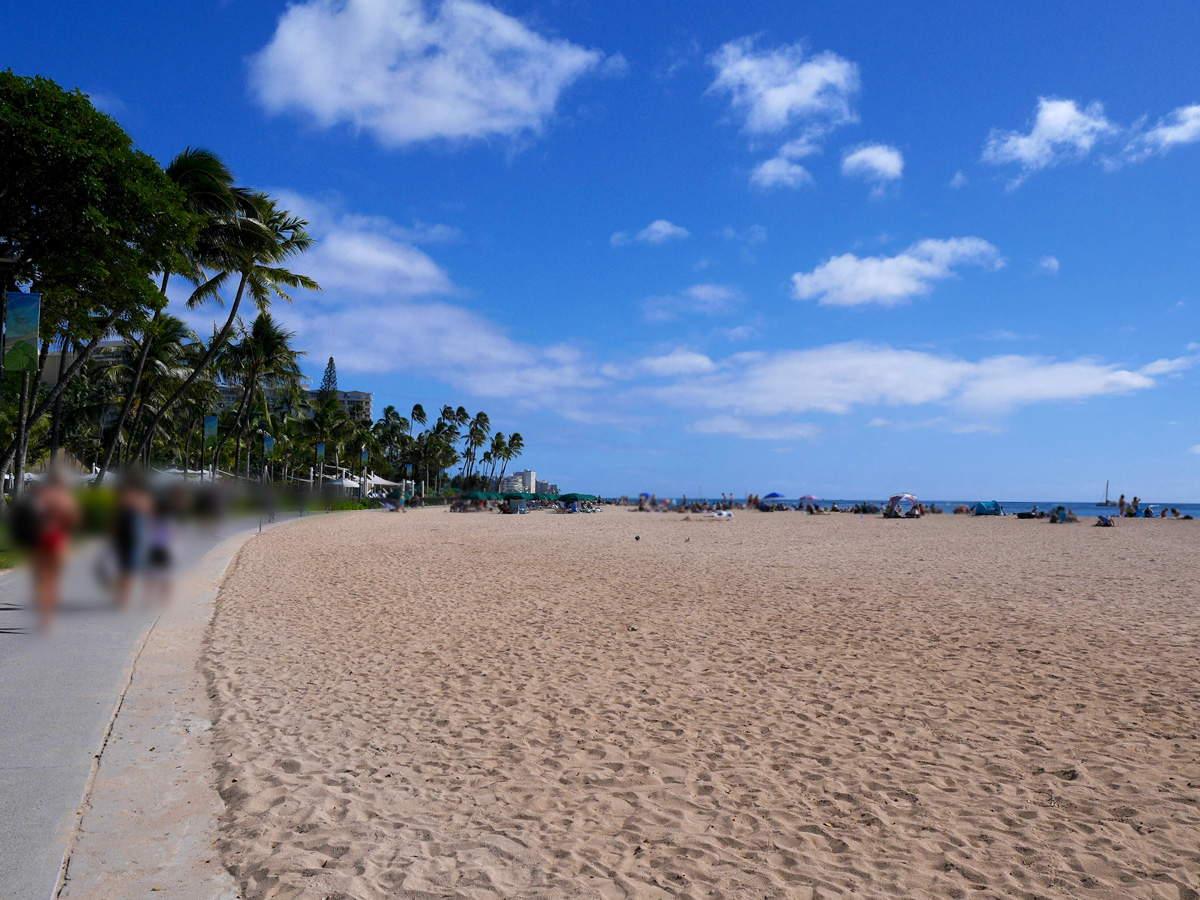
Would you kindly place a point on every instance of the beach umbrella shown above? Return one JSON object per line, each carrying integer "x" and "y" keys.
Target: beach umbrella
{"x": 516, "y": 495}
{"x": 573, "y": 498}
{"x": 775, "y": 496}
{"x": 478, "y": 495}
{"x": 808, "y": 497}
{"x": 542, "y": 495}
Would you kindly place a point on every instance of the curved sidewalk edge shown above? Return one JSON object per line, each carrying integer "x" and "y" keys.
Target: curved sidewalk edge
{"x": 150, "y": 816}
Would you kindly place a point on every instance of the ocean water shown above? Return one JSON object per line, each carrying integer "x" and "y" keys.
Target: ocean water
{"x": 1011, "y": 507}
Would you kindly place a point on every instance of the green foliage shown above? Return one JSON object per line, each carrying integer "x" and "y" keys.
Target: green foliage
{"x": 92, "y": 217}
{"x": 329, "y": 380}
{"x": 97, "y": 508}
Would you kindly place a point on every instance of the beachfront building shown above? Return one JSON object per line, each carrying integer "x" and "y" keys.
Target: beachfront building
{"x": 349, "y": 400}
{"x": 546, "y": 487}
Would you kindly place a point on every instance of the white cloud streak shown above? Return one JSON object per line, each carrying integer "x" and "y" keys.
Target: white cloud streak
{"x": 1049, "y": 265}
{"x": 1181, "y": 126}
{"x": 1061, "y": 131}
{"x": 697, "y": 300}
{"x": 660, "y": 231}
{"x": 850, "y": 280}
{"x": 406, "y": 71}
{"x": 757, "y": 430}
{"x": 838, "y": 378}
{"x": 873, "y": 162}
{"x": 782, "y": 170}
{"x": 772, "y": 89}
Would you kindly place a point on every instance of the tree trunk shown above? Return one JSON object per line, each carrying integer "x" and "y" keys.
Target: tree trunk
{"x": 215, "y": 346}
{"x": 134, "y": 384}
{"x": 57, "y": 420}
{"x": 10, "y": 452}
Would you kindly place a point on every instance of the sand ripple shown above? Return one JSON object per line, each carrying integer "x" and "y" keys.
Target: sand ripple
{"x": 780, "y": 706}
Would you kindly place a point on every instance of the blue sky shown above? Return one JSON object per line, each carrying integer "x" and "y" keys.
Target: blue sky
{"x": 839, "y": 248}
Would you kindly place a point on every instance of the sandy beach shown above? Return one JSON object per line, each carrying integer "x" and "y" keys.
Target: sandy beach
{"x": 636, "y": 705}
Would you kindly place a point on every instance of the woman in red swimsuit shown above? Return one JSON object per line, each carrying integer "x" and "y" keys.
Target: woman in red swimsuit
{"x": 59, "y": 516}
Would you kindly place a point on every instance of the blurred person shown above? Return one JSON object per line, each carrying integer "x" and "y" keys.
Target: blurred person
{"x": 42, "y": 524}
{"x": 129, "y": 535}
{"x": 161, "y": 541}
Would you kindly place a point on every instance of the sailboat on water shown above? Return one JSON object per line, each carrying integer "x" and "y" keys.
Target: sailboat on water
{"x": 1106, "y": 501}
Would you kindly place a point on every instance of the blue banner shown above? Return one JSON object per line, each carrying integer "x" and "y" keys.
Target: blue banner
{"x": 21, "y": 332}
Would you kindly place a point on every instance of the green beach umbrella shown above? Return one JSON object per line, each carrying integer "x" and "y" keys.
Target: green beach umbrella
{"x": 572, "y": 498}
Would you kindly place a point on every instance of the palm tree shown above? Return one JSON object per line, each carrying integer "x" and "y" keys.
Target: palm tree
{"x": 253, "y": 246}
{"x": 478, "y": 429}
{"x": 516, "y": 444}
{"x": 209, "y": 195}
{"x": 416, "y": 417}
{"x": 264, "y": 362}
{"x": 163, "y": 353}
{"x": 497, "y": 452}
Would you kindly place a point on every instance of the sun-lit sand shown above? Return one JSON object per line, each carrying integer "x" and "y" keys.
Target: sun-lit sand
{"x": 437, "y": 705}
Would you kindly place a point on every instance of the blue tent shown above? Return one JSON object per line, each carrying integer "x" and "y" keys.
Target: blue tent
{"x": 988, "y": 508}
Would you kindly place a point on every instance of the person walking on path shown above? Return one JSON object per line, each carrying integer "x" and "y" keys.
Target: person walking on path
{"x": 51, "y": 516}
{"x": 129, "y": 535}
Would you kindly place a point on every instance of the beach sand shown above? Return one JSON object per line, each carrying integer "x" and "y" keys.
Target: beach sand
{"x": 778, "y": 706}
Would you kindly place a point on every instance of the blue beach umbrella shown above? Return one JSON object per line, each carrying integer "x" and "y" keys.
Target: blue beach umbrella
{"x": 773, "y": 496}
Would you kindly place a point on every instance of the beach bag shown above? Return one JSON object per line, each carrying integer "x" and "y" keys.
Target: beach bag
{"x": 26, "y": 524}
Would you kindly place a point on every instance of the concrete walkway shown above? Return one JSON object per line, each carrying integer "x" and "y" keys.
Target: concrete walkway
{"x": 60, "y": 694}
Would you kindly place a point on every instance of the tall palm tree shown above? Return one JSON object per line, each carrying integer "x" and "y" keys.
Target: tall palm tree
{"x": 416, "y": 417}
{"x": 265, "y": 362}
{"x": 207, "y": 187}
{"x": 254, "y": 246}
{"x": 516, "y": 444}
{"x": 497, "y": 450}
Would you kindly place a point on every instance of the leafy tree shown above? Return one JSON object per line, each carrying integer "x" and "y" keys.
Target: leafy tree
{"x": 90, "y": 218}
{"x": 328, "y": 381}
{"x": 253, "y": 247}
{"x": 208, "y": 192}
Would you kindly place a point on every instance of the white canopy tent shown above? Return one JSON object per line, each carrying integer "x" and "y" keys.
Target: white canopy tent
{"x": 893, "y": 507}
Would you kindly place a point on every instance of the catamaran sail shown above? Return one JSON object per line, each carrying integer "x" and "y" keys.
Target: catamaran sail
{"x": 1106, "y": 501}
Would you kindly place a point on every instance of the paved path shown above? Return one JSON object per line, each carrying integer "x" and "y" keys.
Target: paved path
{"x": 58, "y": 697}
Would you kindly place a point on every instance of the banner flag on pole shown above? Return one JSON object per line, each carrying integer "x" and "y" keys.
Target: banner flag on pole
{"x": 268, "y": 446}
{"x": 21, "y": 332}
{"x": 321, "y": 452}
{"x": 365, "y": 456}
{"x": 210, "y": 431}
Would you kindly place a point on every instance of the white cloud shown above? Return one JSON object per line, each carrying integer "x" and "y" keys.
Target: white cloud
{"x": 775, "y": 88}
{"x": 873, "y": 162}
{"x": 699, "y": 299}
{"x": 782, "y": 170}
{"x": 677, "y": 362}
{"x": 367, "y": 254}
{"x": 761, "y": 431}
{"x": 779, "y": 172}
{"x": 407, "y": 72}
{"x": 1195, "y": 448}
{"x": 657, "y": 232}
{"x": 849, "y": 280}
{"x": 741, "y": 333}
{"x": 959, "y": 180}
{"x": 838, "y": 378}
{"x": 1181, "y": 126}
{"x": 755, "y": 234}
{"x": 1061, "y": 131}
{"x": 1049, "y": 265}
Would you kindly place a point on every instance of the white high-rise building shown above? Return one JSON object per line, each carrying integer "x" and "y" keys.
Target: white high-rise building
{"x": 528, "y": 480}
